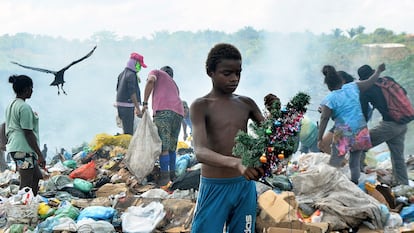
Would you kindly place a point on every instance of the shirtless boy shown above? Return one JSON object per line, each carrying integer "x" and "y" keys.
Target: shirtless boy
{"x": 227, "y": 194}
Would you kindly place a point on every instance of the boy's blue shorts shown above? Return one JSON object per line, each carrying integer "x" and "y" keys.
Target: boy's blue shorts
{"x": 225, "y": 201}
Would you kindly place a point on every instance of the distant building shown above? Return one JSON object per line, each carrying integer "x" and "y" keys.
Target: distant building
{"x": 390, "y": 51}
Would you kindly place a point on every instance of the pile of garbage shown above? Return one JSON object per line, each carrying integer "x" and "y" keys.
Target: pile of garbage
{"x": 93, "y": 189}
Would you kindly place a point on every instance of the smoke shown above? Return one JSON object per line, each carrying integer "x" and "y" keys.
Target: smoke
{"x": 284, "y": 67}
{"x": 67, "y": 121}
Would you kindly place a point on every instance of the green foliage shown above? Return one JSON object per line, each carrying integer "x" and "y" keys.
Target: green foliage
{"x": 277, "y": 134}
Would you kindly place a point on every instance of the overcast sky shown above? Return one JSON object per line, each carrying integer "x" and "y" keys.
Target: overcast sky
{"x": 138, "y": 18}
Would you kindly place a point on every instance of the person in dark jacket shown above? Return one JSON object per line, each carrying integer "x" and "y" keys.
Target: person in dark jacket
{"x": 128, "y": 97}
{"x": 388, "y": 131}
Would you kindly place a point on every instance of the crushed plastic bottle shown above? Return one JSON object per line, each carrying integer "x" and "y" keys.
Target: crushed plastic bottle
{"x": 317, "y": 216}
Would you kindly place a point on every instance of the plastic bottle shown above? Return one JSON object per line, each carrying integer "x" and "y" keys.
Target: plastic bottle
{"x": 26, "y": 194}
{"x": 317, "y": 216}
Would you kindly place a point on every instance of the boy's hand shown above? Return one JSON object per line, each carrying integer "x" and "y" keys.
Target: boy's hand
{"x": 251, "y": 173}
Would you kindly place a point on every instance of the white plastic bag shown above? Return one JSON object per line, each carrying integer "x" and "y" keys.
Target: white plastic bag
{"x": 144, "y": 148}
{"x": 138, "y": 219}
{"x": 66, "y": 224}
{"x": 22, "y": 208}
{"x": 88, "y": 225}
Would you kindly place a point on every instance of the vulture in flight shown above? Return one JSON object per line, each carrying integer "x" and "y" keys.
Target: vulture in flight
{"x": 58, "y": 81}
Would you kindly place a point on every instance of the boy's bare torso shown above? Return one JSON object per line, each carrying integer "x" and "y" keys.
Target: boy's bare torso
{"x": 224, "y": 117}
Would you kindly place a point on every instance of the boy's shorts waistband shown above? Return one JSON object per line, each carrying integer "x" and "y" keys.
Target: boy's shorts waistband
{"x": 237, "y": 179}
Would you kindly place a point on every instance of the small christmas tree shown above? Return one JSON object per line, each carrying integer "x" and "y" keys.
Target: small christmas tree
{"x": 275, "y": 138}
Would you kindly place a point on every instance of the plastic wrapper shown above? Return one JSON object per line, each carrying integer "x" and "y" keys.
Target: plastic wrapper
{"x": 82, "y": 185}
{"x": 139, "y": 219}
{"x": 103, "y": 139}
{"x": 86, "y": 171}
{"x": 144, "y": 149}
{"x": 97, "y": 213}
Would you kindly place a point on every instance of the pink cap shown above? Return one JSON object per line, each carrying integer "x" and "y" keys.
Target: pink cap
{"x": 139, "y": 58}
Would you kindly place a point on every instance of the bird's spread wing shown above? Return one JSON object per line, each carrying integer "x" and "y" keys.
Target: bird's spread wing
{"x": 34, "y": 68}
{"x": 81, "y": 59}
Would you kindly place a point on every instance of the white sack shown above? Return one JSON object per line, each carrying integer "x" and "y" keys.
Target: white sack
{"x": 144, "y": 148}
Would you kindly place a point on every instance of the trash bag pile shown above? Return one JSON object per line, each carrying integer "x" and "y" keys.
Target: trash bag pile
{"x": 92, "y": 190}
{"x": 326, "y": 194}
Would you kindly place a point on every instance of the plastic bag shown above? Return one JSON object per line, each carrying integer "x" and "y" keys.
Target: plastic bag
{"x": 155, "y": 193}
{"x": 66, "y": 210}
{"x": 47, "y": 225}
{"x": 394, "y": 221}
{"x": 27, "y": 195}
{"x": 144, "y": 148}
{"x": 90, "y": 225}
{"x": 139, "y": 219}
{"x": 103, "y": 139}
{"x": 65, "y": 224}
{"x": 69, "y": 163}
{"x": 407, "y": 213}
{"x": 20, "y": 228}
{"x": 182, "y": 164}
{"x": 24, "y": 214}
{"x": 82, "y": 185}
{"x": 97, "y": 213}
{"x": 86, "y": 171}
{"x": 45, "y": 211}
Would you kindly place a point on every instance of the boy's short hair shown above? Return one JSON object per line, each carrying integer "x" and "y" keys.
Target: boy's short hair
{"x": 219, "y": 52}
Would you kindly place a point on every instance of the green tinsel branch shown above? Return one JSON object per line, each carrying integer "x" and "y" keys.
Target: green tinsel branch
{"x": 299, "y": 102}
{"x": 275, "y": 135}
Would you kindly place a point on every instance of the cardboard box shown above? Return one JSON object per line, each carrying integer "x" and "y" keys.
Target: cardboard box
{"x": 278, "y": 213}
{"x": 263, "y": 226}
{"x": 277, "y": 207}
{"x": 282, "y": 230}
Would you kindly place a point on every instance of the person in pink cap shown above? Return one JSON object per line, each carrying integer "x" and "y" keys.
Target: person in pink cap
{"x": 128, "y": 97}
